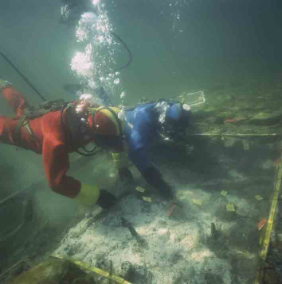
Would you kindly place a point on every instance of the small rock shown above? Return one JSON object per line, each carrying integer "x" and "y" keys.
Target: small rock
{"x": 135, "y": 273}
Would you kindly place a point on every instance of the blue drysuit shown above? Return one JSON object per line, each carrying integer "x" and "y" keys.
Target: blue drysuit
{"x": 142, "y": 125}
{"x": 141, "y": 130}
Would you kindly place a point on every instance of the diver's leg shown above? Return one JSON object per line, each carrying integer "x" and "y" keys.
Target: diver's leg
{"x": 15, "y": 100}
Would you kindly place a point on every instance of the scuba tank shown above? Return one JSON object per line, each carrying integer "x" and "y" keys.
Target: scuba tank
{"x": 77, "y": 123}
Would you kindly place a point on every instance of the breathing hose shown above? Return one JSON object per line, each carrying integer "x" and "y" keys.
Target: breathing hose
{"x": 126, "y": 48}
{"x": 64, "y": 19}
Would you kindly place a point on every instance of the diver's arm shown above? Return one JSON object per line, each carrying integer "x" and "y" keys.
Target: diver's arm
{"x": 140, "y": 158}
{"x": 56, "y": 165}
{"x": 138, "y": 154}
{"x": 149, "y": 172}
{"x": 121, "y": 163}
{"x": 152, "y": 175}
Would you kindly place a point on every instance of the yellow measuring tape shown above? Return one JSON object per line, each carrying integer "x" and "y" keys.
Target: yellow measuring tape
{"x": 96, "y": 270}
{"x": 269, "y": 226}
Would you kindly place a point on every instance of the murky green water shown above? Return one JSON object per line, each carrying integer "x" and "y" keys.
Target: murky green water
{"x": 231, "y": 50}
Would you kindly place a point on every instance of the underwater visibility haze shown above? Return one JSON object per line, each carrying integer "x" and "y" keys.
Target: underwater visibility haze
{"x": 141, "y": 141}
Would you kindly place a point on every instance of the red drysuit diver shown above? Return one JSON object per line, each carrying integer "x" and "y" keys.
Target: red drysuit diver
{"x": 51, "y": 135}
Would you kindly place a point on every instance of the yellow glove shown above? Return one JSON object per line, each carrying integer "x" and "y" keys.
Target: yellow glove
{"x": 88, "y": 194}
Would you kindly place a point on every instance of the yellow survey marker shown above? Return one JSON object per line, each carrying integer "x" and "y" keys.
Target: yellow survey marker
{"x": 269, "y": 225}
{"x": 140, "y": 189}
{"x": 96, "y": 270}
{"x": 230, "y": 207}
{"x": 197, "y": 201}
{"x": 148, "y": 199}
{"x": 223, "y": 193}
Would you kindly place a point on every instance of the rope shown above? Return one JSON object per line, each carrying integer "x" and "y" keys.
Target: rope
{"x": 96, "y": 270}
{"x": 23, "y": 77}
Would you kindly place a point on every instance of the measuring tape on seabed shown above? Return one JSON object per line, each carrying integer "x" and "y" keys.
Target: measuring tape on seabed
{"x": 235, "y": 134}
{"x": 269, "y": 226}
{"x": 96, "y": 270}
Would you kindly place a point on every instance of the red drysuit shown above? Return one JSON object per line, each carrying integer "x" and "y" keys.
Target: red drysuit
{"x": 52, "y": 142}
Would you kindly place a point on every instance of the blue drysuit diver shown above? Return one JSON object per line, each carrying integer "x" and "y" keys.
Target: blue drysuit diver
{"x": 142, "y": 126}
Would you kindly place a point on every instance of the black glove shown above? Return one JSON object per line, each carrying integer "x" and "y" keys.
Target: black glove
{"x": 106, "y": 199}
{"x": 125, "y": 175}
{"x": 154, "y": 178}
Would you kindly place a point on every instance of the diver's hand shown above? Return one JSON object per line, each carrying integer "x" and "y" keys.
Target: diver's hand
{"x": 106, "y": 199}
{"x": 4, "y": 84}
{"x": 125, "y": 175}
{"x": 154, "y": 178}
{"x": 166, "y": 191}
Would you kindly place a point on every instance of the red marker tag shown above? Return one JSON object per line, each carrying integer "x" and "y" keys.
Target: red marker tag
{"x": 262, "y": 223}
{"x": 169, "y": 212}
{"x": 276, "y": 162}
{"x": 233, "y": 120}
